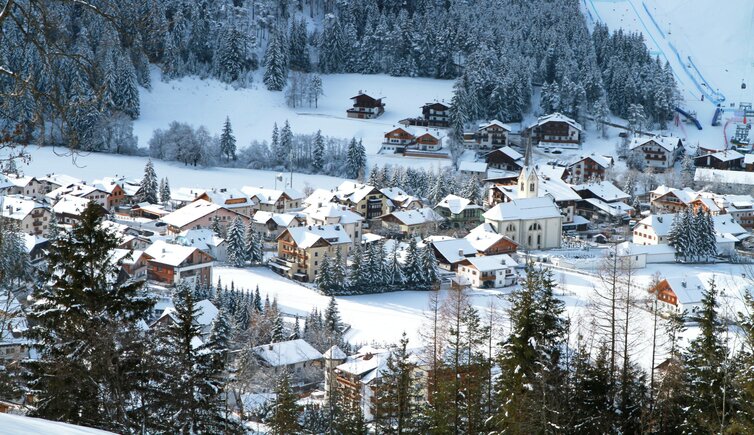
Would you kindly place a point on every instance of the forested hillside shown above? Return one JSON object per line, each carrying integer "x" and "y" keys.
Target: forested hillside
{"x": 70, "y": 70}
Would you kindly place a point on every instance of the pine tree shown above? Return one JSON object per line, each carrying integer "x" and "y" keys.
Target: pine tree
{"x": 680, "y": 235}
{"x": 236, "y": 247}
{"x": 708, "y": 371}
{"x": 217, "y": 227}
{"x": 124, "y": 92}
{"x": 428, "y": 264}
{"x": 228, "y": 141}
{"x": 149, "y": 187}
{"x": 286, "y": 145}
{"x": 231, "y": 57}
{"x": 412, "y": 266}
{"x": 393, "y": 270}
{"x": 393, "y": 407}
{"x": 257, "y": 301}
{"x": 318, "y": 158}
{"x": 275, "y": 63}
{"x": 285, "y": 411}
{"x": 356, "y": 159}
{"x": 253, "y": 245}
{"x": 333, "y": 323}
{"x": 357, "y": 278}
{"x": 84, "y": 326}
{"x": 164, "y": 191}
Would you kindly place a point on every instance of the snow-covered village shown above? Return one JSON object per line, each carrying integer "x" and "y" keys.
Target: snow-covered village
{"x": 376, "y": 217}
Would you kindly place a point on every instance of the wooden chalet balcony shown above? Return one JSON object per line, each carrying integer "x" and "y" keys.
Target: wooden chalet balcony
{"x": 487, "y": 278}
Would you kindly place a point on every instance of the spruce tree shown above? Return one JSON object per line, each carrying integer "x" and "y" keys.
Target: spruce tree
{"x": 333, "y": 323}
{"x": 356, "y": 159}
{"x": 236, "y": 246}
{"x": 325, "y": 279}
{"x": 275, "y": 63}
{"x": 412, "y": 267}
{"x": 254, "y": 245}
{"x": 318, "y": 159}
{"x": 148, "y": 190}
{"x": 357, "y": 277}
{"x": 164, "y": 191}
{"x": 393, "y": 407}
{"x": 708, "y": 371}
{"x": 84, "y": 326}
{"x": 285, "y": 411}
{"x": 315, "y": 89}
{"x": 228, "y": 141}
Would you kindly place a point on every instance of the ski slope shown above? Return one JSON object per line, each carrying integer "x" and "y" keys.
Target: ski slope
{"x": 708, "y": 43}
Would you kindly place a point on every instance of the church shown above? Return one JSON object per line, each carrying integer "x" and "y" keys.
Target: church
{"x": 532, "y": 221}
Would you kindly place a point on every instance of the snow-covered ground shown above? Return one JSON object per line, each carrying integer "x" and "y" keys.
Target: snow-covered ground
{"x": 91, "y": 166}
{"x": 20, "y": 425}
{"x": 253, "y": 111}
{"x": 382, "y": 318}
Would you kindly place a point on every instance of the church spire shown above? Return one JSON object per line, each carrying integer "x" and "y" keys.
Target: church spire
{"x": 527, "y": 158}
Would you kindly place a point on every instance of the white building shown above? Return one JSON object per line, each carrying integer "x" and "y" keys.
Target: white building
{"x": 533, "y": 223}
{"x": 657, "y": 152}
{"x": 492, "y": 271}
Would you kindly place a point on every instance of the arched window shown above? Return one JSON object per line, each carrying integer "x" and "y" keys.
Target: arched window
{"x": 535, "y": 227}
{"x": 510, "y": 228}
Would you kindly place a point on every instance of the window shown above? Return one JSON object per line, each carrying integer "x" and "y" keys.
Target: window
{"x": 531, "y": 187}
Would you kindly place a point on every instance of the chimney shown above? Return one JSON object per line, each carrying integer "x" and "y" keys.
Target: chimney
{"x": 270, "y": 347}
{"x": 683, "y": 283}
{"x": 460, "y": 252}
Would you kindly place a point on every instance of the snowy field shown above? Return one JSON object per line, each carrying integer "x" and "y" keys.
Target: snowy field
{"x": 19, "y": 425}
{"x": 253, "y": 111}
{"x": 382, "y": 318}
{"x": 91, "y": 166}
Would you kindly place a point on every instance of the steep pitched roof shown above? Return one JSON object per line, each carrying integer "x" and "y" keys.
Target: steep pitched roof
{"x": 417, "y": 217}
{"x": 190, "y": 213}
{"x": 168, "y": 253}
{"x": 557, "y": 117}
{"x": 307, "y": 236}
{"x": 454, "y": 250}
{"x": 287, "y": 352}
{"x": 669, "y": 143}
{"x": 524, "y": 209}
{"x": 456, "y": 204}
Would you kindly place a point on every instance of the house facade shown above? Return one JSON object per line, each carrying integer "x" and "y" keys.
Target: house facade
{"x": 31, "y": 217}
{"x": 170, "y": 264}
{"x": 532, "y": 223}
{"x": 657, "y": 152}
{"x": 493, "y": 271}
{"x": 489, "y": 136}
{"x": 589, "y": 168}
{"x": 365, "y": 107}
{"x": 302, "y": 249}
{"x": 556, "y": 129}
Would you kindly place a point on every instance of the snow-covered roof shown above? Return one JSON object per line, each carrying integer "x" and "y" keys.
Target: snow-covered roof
{"x": 305, "y": 237}
{"x": 724, "y": 156}
{"x": 169, "y": 253}
{"x": 454, "y": 250}
{"x": 709, "y": 203}
{"x": 495, "y": 122}
{"x": 334, "y": 353}
{"x": 17, "y": 207}
{"x": 685, "y": 195}
{"x": 417, "y": 217}
{"x": 78, "y": 189}
{"x": 366, "y": 361}
{"x": 190, "y": 213}
{"x": 660, "y": 223}
{"x": 476, "y": 167}
{"x": 354, "y": 192}
{"x": 669, "y": 143}
{"x": 630, "y": 248}
{"x": 724, "y": 223}
{"x": 749, "y": 159}
{"x": 270, "y": 196}
{"x": 394, "y": 194}
{"x": 200, "y": 238}
{"x": 107, "y": 184}
{"x": 615, "y": 208}
{"x": 59, "y": 179}
{"x": 280, "y": 219}
{"x": 14, "y": 180}
{"x": 603, "y": 161}
{"x": 553, "y": 186}
{"x": 332, "y": 213}
{"x": 709, "y": 175}
{"x": 229, "y": 198}
{"x": 557, "y": 117}
{"x": 491, "y": 263}
{"x": 320, "y": 196}
{"x": 510, "y": 152}
{"x": 524, "y": 209}
{"x": 287, "y": 352}
{"x": 483, "y": 237}
{"x": 604, "y": 190}
{"x": 70, "y": 205}
{"x": 456, "y": 204}
{"x": 688, "y": 289}
{"x": 186, "y": 194}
